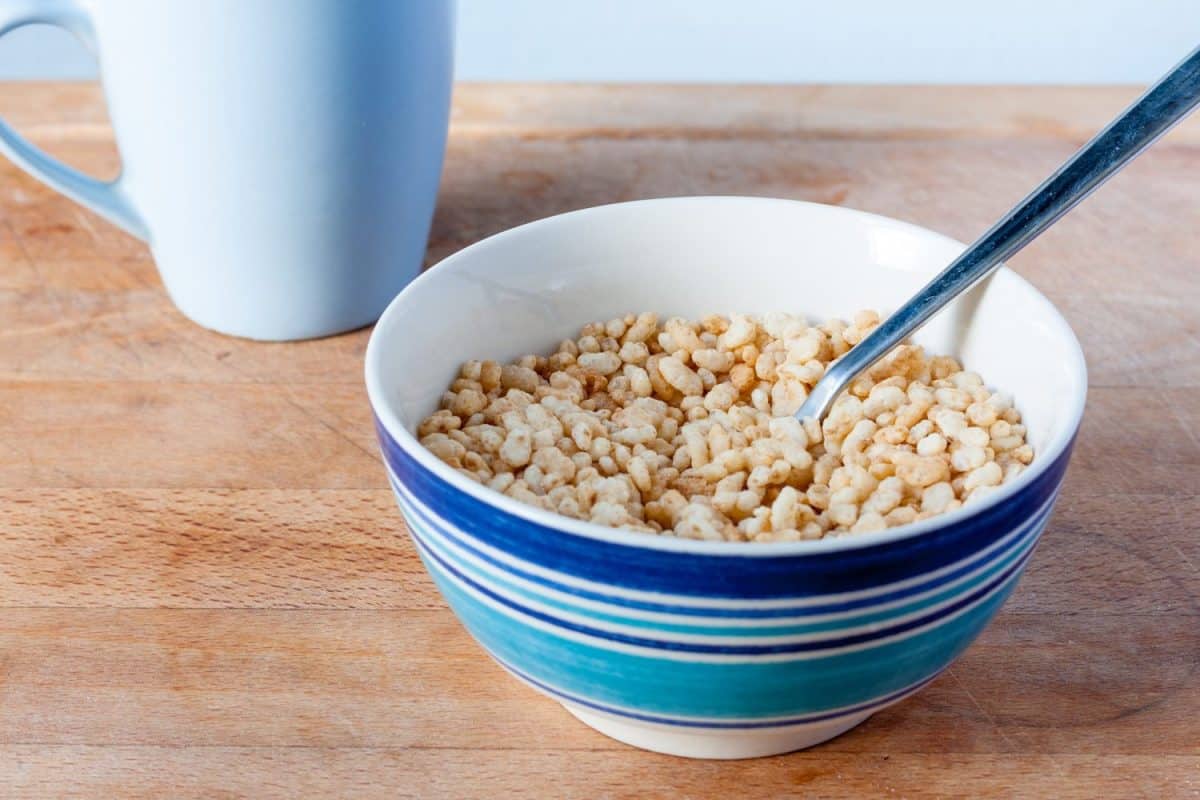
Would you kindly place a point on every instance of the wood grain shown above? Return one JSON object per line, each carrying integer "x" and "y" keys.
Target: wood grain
{"x": 346, "y": 549}
{"x": 400, "y": 678}
{"x": 156, "y": 772}
{"x": 206, "y": 590}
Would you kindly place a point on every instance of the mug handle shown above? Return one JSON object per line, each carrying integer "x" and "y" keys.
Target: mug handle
{"x": 106, "y": 198}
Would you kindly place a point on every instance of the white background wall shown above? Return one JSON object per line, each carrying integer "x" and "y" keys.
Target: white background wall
{"x": 884, "y": 41}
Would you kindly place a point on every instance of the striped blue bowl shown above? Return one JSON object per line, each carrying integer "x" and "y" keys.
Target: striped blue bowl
{"x": 713, "y": 649}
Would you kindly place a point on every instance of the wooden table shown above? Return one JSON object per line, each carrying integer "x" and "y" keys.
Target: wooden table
{"x": 207, "y": 590}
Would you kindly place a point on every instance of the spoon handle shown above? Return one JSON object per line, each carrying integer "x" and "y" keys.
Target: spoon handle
{"x": 1152, "y": 115}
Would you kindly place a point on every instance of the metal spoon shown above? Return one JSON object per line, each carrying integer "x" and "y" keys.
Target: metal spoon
{"x": 1153, "y": 114}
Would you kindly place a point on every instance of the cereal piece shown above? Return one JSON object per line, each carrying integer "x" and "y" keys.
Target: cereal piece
{"x": 767, "y": 365}
{"x": 471, "y": 370}
{"x": 642, "y": 329}
{"x": 611, "y": 514}
{"x": 515, "y": 377}
{"x": 697, "y": 521}
{"x": 950, "y": 422}
{"x": 922, "y": 471}
{"x": 602, "y": 363}
{"x": 967, "y": 458}
{"x": 883, "y": 398}
{"x": 639, "y": 381}
{"x": 978, "y": 493}
{"x": 741, "y": 332}
{"x": 804, "y": 348}
{"x": 786, "y": 510}
{"x": 661, "y": 388}
{"x": 721, "y": 397}
{"x": 974, "y": 437}
{"x": 953, "y": 399}
{"x": 983, "y": 415}
{"x": 440, "y": 421}
{"x": 683, "y": 335}
{"x": 890, "y": 434}
{"x": 742, "y": 377}
{"x": 680, "y": 376}
{"x": 517, "y": 449}
{"x": 557, "y": 468}
{"x": 445, "y": 448}
{"x": 886, "y": 497}
{"x": 935, "y": 498}
{"x": 869, "y": 522}
{"x": 931, "y": 445}
{"x": 634, "y": 353}
{"x": 714, "y": 360}
{"x": 988, "y": 474}
{"x": 1004, "y": 443}
{"x": 501, "y": 482}
{"x": 842, "y": 514}
{"x": 1012, "y": 470}
{"x": 638, "y": 434}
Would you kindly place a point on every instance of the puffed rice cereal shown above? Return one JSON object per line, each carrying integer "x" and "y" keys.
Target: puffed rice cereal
{"x": 684, "y": 429}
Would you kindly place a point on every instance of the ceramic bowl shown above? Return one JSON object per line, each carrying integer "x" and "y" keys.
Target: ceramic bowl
{"x": 714, "y": 649}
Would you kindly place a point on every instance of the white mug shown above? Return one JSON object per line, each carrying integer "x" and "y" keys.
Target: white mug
{"x": 280, "y": 157}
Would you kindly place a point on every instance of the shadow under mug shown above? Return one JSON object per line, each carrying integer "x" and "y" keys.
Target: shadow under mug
{"x": 280, "y": 157}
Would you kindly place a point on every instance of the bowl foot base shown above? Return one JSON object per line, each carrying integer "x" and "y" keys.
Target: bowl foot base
{"x": 714, "y": 742}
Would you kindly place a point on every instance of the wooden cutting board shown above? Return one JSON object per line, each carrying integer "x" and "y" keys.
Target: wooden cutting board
{"x": 207, "y": 590}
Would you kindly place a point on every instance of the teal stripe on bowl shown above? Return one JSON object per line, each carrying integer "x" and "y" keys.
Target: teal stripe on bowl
{"x": 754, "y": 687}
{"x": 496, "y": 581}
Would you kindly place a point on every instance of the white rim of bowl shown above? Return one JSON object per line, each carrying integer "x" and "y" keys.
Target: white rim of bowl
{"x": 381, "y": 405}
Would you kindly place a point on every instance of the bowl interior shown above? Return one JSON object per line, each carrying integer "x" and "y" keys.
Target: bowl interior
{"x": 523, "y": 290}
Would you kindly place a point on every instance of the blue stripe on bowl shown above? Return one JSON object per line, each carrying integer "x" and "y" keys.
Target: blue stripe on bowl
{"x": 804, "y": 574}
{"x": 806, "y": 719}
{"x": 418, "y": 516}
{"x": 681, "y": 685}
{"x": 499, "y": 580}
{"x": 596, "y": 632}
